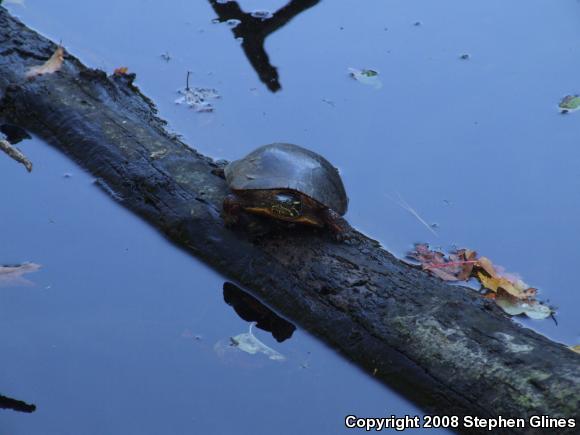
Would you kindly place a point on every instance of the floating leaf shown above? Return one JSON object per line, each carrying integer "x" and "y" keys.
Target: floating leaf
{"x": 509, "y": 291}
{"x": 576, "y": 348}
{"x": 426, "y": 256}
{"x": 247, "y": 342}
{"x": 13, "y": 275}
{"x": 15, "y": 153}
{"x": 456, "y": 267}
{"x": 495, "y": 283}
{"x": 487, "y": 266}
{"x": 515, "y": 307}
{"x": 570, "y": 103}
{"x": 52, "y": 65}
{"x": 367, "y": 76}
{"x": 468, "y": 259}
{"x": 121, "y": 71}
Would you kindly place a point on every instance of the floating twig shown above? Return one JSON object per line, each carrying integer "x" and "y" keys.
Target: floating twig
{"x": 405, "y": 205}
{"x": 16, "y": 154}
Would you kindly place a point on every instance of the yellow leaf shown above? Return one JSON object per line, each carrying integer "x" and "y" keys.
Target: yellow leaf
{"x": 576, "y": 348}
{"x": 486, "y": 264}
{"x": 52, "y": 65}
{"x": 494, "y": 283}
{"x": 490, "y": 283}
{"x": 121, "y": 71}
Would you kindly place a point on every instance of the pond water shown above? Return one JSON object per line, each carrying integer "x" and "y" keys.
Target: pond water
{"x": 118, "y": 333}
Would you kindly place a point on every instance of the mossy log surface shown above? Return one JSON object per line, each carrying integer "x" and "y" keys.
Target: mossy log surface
{"x": 443, "y": 346}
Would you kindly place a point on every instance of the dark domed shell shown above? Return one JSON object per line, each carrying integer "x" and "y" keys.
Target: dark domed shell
{"x": 287, "y": 166}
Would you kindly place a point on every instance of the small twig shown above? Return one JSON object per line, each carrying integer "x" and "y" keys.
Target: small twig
{"x": 16, "y": 154}
{"x": 187, "y": 81}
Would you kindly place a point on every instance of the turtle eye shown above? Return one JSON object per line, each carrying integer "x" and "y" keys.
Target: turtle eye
{"x": 286, "y": 205}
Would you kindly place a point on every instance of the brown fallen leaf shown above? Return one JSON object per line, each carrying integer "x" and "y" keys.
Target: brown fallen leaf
{"x": 52, "y": 65}
{"x": 443, "y": 274}
{"x": 468, "y": 259}
{"x": 13, "y": 275}
{"x": 15, "y": 153}
{"x": 431, "y": 260}
{"x": 512, "y": 294}
{"x": 455, "y": 267}
{"x": 425, "y": 255}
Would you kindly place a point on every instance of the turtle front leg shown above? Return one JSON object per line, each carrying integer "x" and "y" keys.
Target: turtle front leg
{"x": 339, "y": 227}
{"x": 232, "y": 208}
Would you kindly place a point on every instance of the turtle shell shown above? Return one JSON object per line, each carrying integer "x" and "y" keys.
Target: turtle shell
{"x": 287, "y": 166}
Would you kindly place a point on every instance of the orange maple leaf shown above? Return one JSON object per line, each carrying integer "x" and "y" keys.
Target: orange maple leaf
{"x": 121, "y": 71}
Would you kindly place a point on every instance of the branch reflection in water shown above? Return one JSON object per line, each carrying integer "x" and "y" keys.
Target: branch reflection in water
{"x": 254, "y": 29}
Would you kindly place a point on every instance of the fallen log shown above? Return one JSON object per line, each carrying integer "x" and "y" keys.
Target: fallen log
{"x": 443, "y": 346}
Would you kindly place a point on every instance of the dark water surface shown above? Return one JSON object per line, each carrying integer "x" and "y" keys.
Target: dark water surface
{"x": 118, "y": 334}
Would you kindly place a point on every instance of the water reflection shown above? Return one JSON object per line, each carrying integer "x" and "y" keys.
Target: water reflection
{"x": 15, "y": 405}
{"x": 255, "y": 29}
{"x": 252, "y": 310}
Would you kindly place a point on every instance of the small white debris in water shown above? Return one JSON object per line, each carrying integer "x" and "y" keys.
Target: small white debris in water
{"x": 262, "y": 14}
{"x": 197, "y": 98}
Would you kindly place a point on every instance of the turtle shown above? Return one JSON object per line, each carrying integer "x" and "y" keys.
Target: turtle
{"x": 287, "y": 182}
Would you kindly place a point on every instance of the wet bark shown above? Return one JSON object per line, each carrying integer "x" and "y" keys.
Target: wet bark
{"x": 443, "y": 346}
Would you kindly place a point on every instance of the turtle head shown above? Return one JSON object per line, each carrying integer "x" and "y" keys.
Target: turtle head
{"x": 286, "y": 205}
{"x": 277, "y": 204}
